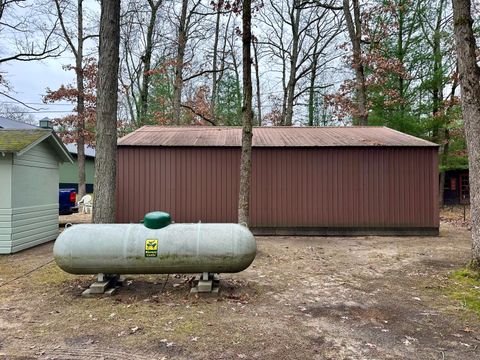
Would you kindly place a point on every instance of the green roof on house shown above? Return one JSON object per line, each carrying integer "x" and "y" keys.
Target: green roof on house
{"x": 20, "y": 141}
{"x": 16, "y": 140}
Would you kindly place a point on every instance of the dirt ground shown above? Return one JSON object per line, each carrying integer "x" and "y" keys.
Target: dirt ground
{"x": 77, "y": 218}
{"x": 303, "y": 298}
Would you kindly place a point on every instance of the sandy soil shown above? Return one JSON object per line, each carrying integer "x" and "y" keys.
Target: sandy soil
{"x": 303, "y": 298}
{"x": 77, "y": 218}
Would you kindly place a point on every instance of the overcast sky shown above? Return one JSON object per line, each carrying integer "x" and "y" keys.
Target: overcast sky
{"x": 30, "y": 79}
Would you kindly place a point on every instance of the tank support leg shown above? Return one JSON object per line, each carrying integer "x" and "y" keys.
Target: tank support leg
{"x": 106, "y": 284}
{"x": 206, "y": 283}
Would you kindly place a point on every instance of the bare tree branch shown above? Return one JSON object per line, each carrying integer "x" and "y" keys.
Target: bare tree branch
{"x": 40, "y": 55}
{"x": 18, "y": 101}
{"x": 198, "y": 114}
{"x": 318, "y": 4}
{"x": 64, "y": 29}
{"x": 202, "y": 73}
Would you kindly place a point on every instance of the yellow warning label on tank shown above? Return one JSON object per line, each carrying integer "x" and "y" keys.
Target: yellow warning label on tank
{"x": 151, "y": 247}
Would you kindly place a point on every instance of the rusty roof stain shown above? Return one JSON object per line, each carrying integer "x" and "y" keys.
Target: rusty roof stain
{"x": 280, "y": 136}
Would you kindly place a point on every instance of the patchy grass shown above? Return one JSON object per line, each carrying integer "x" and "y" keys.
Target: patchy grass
{"x": 465, "y": 288}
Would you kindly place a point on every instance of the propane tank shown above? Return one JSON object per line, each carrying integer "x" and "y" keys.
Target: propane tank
{"x": 154, "y": 247}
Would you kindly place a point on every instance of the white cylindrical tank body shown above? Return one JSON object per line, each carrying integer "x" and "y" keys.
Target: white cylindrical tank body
{"x": 136, "y": 249}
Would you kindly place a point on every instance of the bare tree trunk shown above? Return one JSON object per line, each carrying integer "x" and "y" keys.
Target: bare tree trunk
{"x": 285, "y": 92}
{"x": 178, "y": 84}
{"x": 284, "y": 106}
{"x": 445, "y": 148}
{"x": 313, "y": 77}
{"x": 401, "y": 55}
{"x": 443, "y": 161}
{"x": 437, "y": 91}
{"x": 469, "y": 73}
{"x": 354, "y": 27}
{"x": 78, "y": 54}
{"x": 224, "y": 48}
{"x": 129, "y": 95}
{"x": 147, "y": 59}
{"x": 107, "y": 97}
{"x": 292, "y": 80}
{"x": 257, "y": 77}
{"x": 311, "y": 96}
{"x": 213, "y": 103}
{"x": 247, "y": 112}
{"x": 80, "y": 103}
{"x": 237, "y": 80}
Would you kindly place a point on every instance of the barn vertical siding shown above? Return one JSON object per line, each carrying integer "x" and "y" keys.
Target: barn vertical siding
{"x": 295, "y": 188}
{"x": 192, "y": 184}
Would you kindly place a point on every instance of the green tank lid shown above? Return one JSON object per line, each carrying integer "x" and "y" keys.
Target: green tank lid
{"x": 157, "y": 220}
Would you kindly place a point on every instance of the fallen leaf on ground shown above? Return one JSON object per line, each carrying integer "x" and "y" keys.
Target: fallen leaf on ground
{"x": 135, "y": 329}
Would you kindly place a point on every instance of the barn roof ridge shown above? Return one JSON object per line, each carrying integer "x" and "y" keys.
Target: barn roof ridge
{"x": 202, "y": 127}
{"x": 269, "y": 136}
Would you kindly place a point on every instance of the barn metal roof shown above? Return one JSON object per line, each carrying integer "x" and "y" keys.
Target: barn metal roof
{"x": 270, "y": 136}
{"x": 19, "y": 141}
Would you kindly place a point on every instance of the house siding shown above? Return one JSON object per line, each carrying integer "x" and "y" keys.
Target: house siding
{"x": 69, "y": 172}
{"x": 34, "y": 225}
{"x": 5, "y": 203}
{"x": 34, "y": 207}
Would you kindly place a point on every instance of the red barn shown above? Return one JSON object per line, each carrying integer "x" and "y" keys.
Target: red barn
{"x": 305, "y": 181}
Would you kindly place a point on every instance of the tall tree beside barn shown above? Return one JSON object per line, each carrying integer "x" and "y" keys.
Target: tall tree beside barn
{"x": 469, "y": 73}
{"x": 257, "y": 81}
{"x": 180, "y": 60}
{"x": 75, "y": 42}
{"x": 247, "y": 118}
{"x": 354, "y": 27}
{"x": 147, "y": 59}
{"x": 107, "y": 97}
{"x": 213, "y": 101}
